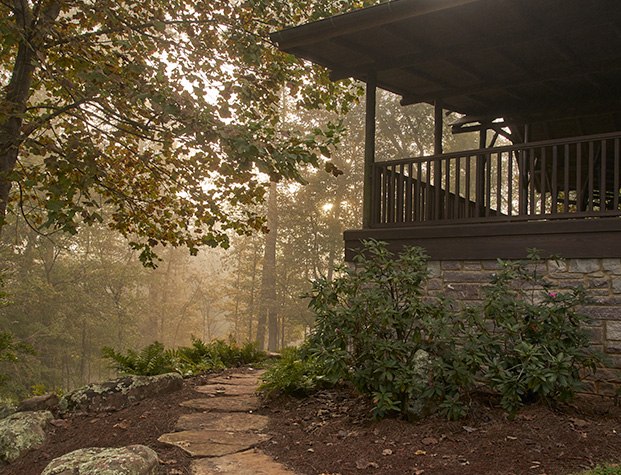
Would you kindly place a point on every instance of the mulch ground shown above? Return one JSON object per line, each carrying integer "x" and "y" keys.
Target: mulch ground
{"x": 331, "y": 433}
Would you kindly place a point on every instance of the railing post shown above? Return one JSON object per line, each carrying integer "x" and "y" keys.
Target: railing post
{"x": 369, "y": 149}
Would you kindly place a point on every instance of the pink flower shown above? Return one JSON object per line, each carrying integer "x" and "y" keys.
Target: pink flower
{"x": 553, "y": 294}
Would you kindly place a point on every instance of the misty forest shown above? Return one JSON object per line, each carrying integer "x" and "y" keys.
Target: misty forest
{"x": 167, "y": 174}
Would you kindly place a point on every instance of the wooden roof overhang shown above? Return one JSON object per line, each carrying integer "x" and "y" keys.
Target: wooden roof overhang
{"x": 555, "y": 63}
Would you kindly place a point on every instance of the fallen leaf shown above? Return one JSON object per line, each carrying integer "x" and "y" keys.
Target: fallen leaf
{"x": 510, "y": 437}
{"x": 386, "y": 452}
{"x": 429, "y": 441}
{"x": 420, "y": 452}
{"x": 360, "y": 465}
{"x": 579, "y": 422}
{"x": 469, "y": 429}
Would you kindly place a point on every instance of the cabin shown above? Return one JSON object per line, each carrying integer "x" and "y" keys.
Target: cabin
{"x": 543, "y": 75}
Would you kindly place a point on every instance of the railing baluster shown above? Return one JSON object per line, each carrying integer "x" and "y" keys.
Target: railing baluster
{"x": 591, "y": 205}
{"x": 408, "y": 195}
{"x": 531, "y": 182}
{"x": 566, "y": 181}
{"x": 616, "y": 177}
{"x": 542, "y": 180}
{"x": 420, "y": 210}
{"x": 399, "y": 203}
{"x": 457, "y": 187}
{"x": 602, "y": 187}
{"x": 579, "y": 190}
{"x": 554, "y": 187}
{"x": 510, "y": 156}
{"x": 499, "y": 183}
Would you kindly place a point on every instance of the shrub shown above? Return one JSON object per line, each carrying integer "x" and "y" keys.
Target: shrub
{"x": 523, "y": 343}
{"x": 295, "y": 374}
{"x": 370, "y": 323}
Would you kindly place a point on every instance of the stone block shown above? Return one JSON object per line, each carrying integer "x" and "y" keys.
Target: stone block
{"x": 451, "y": 265}
{"x": 472, "y": 265}
{"x": 463, "y": 291}
{"x": 465, "y": 276}
{"x": 594, "y": 334}
{"x": 556, "y": 266}
{"x": 616, "y": 285}
{"x": 491, "y": 265}
{"x": 435, "y": 284}
{"x": 598, "y": 284}
{"x": 613, "y": 331}
{"x": 612, "y": 266}
{"x": 606, "y": 389}
{"x": 603, "y": 313}
{"x": 565, "y": 275}
{"x": 608, "y": 301}
{"x": 597, "y": 292}
{"x": 584, "y": 266}
{"x": 434, "y": 269}
{"x": 613, "y": 347}
{"x": 570, "y": 284}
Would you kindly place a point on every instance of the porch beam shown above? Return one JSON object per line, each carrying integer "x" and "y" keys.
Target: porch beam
{"x": 369, "y": 148}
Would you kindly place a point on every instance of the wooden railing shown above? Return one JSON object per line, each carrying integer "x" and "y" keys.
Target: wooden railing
{"x": 569, "y": 178}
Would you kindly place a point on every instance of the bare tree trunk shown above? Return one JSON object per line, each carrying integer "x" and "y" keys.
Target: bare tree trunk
{"x": 269, "y": 310}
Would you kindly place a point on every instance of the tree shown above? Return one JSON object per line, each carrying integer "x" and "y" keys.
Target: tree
{"x": 163, "y": 110}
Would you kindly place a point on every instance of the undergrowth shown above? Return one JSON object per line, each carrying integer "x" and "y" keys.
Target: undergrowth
{"x": 200, "y": 357}
{"x": 375, "y": 327}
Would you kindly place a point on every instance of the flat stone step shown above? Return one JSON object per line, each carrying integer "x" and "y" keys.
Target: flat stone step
{"x": 227, "y": 389}
{"x": 236, "y": 421}
{"x": 224, "y": 404}
{"x": 238, "y": 378}
{"x": 212, "y": 443}
{"x": 251, "y": 462}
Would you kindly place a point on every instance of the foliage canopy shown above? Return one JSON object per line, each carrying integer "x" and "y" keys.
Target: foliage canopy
{"x": 162, "y": 111}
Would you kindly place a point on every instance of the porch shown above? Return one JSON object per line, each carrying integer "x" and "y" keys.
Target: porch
{"x": 545, "y": 75}
{"x": 497, "y": 202}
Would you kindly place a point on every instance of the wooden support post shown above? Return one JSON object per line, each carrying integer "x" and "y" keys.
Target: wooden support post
{"x": 437, "y": 168}
{"x": 480, "y": 173}
{"x": 369, "y": 152}
{"x": 438, "y": 126}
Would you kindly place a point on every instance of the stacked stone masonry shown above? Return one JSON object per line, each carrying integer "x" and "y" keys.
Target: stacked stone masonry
{"x": 465, "y": 281}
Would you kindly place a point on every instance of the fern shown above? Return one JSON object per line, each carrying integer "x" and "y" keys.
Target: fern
{"x": 150, "y": 361}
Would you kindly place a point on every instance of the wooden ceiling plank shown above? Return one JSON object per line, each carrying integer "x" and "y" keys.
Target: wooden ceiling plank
{"x": 479, "y": 44}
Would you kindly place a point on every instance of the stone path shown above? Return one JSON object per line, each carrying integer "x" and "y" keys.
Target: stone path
{"x": 223, "y": 432}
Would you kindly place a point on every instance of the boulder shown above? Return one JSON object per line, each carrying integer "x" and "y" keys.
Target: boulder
{"x": 131, "y": 460}
{"x": 120, "y": 392}
{"x": 46, "y": 402}
{"x": 21, "y": 432}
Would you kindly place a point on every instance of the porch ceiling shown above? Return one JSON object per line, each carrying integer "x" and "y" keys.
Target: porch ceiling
{"x": 524, "y": 60}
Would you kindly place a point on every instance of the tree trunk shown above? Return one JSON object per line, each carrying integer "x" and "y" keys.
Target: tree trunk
{"x": 269, "y": 310}
{"x": 18, "y": 90}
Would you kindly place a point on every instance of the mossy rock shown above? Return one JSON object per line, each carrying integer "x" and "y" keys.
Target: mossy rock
{"x": 21, "y": 432}
{"x": 131, "y": 460}
{"x": 118, "y": 393}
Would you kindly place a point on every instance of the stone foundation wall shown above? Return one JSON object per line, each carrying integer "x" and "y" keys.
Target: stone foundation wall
{"x": 464, "y": 281}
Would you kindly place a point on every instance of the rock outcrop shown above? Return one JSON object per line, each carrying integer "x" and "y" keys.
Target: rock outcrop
{"x": 21, "y": 432}
{"x": 46, "y": 402}
{"x": 118, "y": 393}
{"x": 131, "y": 460}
